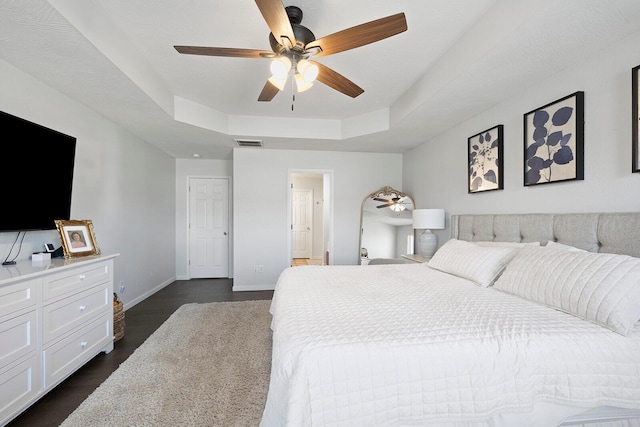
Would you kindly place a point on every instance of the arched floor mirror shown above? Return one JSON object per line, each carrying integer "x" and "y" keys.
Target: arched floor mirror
{"x": 386, "y": 231}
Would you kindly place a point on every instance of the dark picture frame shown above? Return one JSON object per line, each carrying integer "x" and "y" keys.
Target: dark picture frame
{"x": 635, "y": 94}
{"x": 77, "y": 238}
{"x": 554, "y": 141}
{"x": 485, "y": 159}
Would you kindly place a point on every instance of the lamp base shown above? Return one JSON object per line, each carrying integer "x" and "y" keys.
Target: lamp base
{"x": 428, "y": 242}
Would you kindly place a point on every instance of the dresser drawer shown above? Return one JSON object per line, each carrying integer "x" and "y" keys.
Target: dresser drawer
{"x": 17, "y": 296}
{"x": 19, "y": 384}
{"x": 17, "y": 337}
{"x": 62, "y": 317}
{"x": 74, "y": 280}
{"x": 67, "y": 355}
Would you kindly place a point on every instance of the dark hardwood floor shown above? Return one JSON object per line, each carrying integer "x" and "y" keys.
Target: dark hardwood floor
{"x": 141, "y": 321}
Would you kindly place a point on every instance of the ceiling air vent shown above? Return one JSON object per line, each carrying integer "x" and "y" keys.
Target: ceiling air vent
{"x": 248, "y": 142}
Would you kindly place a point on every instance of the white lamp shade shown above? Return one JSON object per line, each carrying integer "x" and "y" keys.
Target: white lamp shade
{"x": 280, "y": 67}
{"x": 279, "y": 83}
{"x": 428, "y": 219}
{"x": 301, "y": 84}
{"x": 307, "y": 70}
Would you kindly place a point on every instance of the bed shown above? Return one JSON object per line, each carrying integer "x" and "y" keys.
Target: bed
{"x": 518, "y": 320}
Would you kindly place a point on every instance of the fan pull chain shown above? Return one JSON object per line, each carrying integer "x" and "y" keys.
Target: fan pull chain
{"x": 293, "y": 92}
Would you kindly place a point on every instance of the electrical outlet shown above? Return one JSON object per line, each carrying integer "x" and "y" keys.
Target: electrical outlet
{"x": 260, "y": 268}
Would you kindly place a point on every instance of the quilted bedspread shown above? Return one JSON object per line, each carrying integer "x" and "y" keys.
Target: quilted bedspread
{"x": 408, "y": 345}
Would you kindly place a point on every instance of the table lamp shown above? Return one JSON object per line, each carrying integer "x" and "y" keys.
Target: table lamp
{"x": 427, "y": 220}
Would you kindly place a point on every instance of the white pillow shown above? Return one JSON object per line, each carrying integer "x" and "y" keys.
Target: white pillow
{"x": 556, "y": 245}
{"x": 506, "y": 244}
{"x": 465, "y": 259}
{"x": 601, "y": 288}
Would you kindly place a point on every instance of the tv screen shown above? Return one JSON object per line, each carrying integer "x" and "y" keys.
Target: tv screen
{"x": 36, "y": 171}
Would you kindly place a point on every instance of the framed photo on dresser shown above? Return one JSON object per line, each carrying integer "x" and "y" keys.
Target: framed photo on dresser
{"x": 77, "y": 238}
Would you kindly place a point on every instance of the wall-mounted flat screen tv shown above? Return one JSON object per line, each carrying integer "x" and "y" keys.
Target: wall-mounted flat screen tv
{"x": 36, "y": 174}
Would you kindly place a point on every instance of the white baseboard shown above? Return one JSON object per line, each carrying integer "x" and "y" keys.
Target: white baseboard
{"x": 189, "y": 278}
{"x": 147, "y": 294}
{"x": 263, "y": 287}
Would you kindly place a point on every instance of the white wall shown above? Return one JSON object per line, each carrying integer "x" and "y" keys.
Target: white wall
{"x": 190, "y": 168}
{"x": 261, "y": 228}
{"x": 436, "y": 172}
{"x": 124, "y": 185}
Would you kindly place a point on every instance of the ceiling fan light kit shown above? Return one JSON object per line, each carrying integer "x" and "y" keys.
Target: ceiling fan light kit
{"x": 305, "y": 74}
{"x": 293, "y": 46}
{"x": 397, "y": 207}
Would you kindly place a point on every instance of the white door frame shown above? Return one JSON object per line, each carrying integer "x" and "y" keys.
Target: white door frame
{"x": 328, "y": 219}
{"x": 230, "y": 222}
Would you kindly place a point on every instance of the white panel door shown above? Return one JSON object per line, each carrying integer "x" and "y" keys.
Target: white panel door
{"x": 208, "y": 227}
{"x": 301, "y": 223}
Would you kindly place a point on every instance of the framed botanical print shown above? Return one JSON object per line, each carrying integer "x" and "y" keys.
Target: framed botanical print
{"x": 554, "y": 141}
{"x": 77, "y": 238}
{"x": 635, "y": 94}
{"x": 485, "y": 160}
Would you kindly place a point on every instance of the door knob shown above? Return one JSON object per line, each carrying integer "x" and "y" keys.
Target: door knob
{"x": 225, "y": 233}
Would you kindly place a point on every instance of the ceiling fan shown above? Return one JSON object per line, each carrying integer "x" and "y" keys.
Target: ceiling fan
{"x": 395, "y": 204}
{"x": 293, "y": 46}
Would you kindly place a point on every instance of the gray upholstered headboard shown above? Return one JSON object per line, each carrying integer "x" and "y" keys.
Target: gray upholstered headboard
{"x": 617, "y": 233}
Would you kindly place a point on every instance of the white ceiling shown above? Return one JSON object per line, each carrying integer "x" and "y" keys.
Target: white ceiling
{"x": 457, "y": 59}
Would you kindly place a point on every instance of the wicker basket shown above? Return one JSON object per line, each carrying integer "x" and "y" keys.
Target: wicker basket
{"x": 118, "y": 321}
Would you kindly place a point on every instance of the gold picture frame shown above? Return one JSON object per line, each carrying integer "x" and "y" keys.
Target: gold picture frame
{"x": 77, "y": 237}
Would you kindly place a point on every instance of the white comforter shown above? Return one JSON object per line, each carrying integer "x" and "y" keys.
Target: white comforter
{"x": 408, "y": 345}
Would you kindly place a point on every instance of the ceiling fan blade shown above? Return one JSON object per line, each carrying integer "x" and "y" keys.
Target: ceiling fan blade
{"x": 268, "y": 92}
{"x": 275, "y": 15}
{"x": 224, "y": 51}
{"x": 360, "y": 35}
{"x": 378, "y": 199}
{"x": 383, "y": 206}
{"x": 337, "y": 81}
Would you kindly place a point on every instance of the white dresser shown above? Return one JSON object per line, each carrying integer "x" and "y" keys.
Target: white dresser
{"x": 54, "y": 318}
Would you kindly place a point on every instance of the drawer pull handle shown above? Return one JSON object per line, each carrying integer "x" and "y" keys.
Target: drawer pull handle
{"x": 82, "y": 277}
{"x": 82, "y": 308}
{"x": 83, "y": 344}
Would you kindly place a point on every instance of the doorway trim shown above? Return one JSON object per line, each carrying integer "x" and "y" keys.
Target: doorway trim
{"x": 327, "y": 211}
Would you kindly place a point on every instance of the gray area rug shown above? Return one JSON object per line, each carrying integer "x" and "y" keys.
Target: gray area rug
{"x": 207, "y": 365}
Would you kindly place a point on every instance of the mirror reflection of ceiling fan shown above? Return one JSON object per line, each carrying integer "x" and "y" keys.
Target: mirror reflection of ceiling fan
{"x": 293, "y": 46}
{"x": 395, "y": 204}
